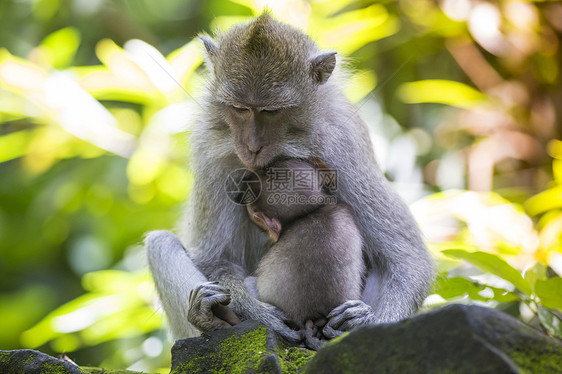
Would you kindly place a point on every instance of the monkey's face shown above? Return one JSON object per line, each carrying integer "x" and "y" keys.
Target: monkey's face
{"x": 265, "y": 76}
{"x": 260, "y": 134}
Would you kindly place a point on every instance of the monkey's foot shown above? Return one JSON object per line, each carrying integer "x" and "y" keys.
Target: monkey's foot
{"x": 313, "y": 337}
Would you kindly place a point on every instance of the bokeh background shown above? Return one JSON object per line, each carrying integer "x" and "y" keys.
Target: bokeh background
{"x": 463, "y": 100}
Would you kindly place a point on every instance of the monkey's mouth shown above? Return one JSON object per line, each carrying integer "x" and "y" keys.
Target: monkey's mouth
{"x": 254, "y": 160}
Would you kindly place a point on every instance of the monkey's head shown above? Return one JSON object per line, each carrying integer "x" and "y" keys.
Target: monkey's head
{"x": 265, "y": 83}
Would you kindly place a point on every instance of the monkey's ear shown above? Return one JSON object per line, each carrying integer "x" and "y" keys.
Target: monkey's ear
{"x": 322, "y": 66}
{"x": 210, "y": 46}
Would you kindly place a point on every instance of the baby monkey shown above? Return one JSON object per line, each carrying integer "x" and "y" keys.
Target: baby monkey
{"x": 314, "y": 262}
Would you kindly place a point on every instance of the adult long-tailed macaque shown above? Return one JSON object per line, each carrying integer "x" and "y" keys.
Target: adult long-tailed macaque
{"x": 271, "y": 95}
{"x": 314, "y": 262}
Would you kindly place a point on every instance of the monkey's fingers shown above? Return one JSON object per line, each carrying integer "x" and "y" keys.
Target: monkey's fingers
{"x": 342, "y": 308}
{"x": 226, "y": 314}
{"x": 198, "y": 298}
{"x": 216, "y": 299}
{"x": 213, "y": 286}
{"x": 290, "y": 335}
{"x": 350, "y": 318}
{"x": 331, "y": 333}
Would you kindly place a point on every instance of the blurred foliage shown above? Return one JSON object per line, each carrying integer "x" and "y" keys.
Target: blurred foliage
{"x": 463, "y": 100}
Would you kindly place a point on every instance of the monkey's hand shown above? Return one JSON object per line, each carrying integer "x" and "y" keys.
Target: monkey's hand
{"x": 347, "y": 316}
{"x": 208, "y": 310}
{"x": 276, "y": 320}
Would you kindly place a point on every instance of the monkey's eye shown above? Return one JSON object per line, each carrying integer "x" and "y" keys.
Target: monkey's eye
{"x": 240, "y": 109}
{"x": 270, "y": 111}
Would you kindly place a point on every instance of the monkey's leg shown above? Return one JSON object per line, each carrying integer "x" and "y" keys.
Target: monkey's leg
{"x": 175, "y": 275}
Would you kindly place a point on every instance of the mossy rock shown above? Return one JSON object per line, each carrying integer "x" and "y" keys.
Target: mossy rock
{"x": 455, "y": 339}
{"x": 246, "y": 348}
{"x": 29, "y": 361}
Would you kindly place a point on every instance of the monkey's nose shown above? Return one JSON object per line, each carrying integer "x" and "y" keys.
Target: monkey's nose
{"x": 255, "y": 150}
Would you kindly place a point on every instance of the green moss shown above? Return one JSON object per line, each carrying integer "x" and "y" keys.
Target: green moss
{"x": 91, "y": 370}
{"x": 292, "y": 359}
{"x": 547, "y": 361}
{"x": 247, "y": 353}
{"x": 236, "y": 354}
{"x": 53, "y": 367}
{"x": 18, "y": 359}
{"x": 239, "y": 353}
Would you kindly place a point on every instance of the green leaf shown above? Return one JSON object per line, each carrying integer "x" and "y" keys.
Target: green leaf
{"x": 60, "y": 47}
{"x": 450, "y": 288}
{"x": 454, "y": 287}
{"x": 537, "y": 272}
{"x": 441, "y": 91}
{"x": 551, "y": 323}
{"x": 494, "y": 265}
{"x": 550, "y": 292}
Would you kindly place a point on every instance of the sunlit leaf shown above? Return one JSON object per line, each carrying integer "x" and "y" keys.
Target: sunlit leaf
{"x": 454, "y": 287}
{"x": 536, "y": 273}
{"x": 441, "y": 91}
{"x": 125, "y": 71}
{"x": 349, "y": 31}
{"x": 551, "y": 323}
{"x": 156, "y": 67}
{"x": 60, "y": 47}
{"x": 494, "y": 265}
{"x": 450, "y": 288}
{"x": 117, "y": 307}
{"x": 550, "y": 234}
{"x": 14, "y": 145}
{"x": 554, "y": 148}
{"x": 185, "y": 60}
{"x": 550, "y": 292}
{"x": 328, "y": 7}
{"x": 144, "y": 166}
{"x": 19, "y": 74}
{"x": 544, "y": 201}
{"x": 175, "y": 182}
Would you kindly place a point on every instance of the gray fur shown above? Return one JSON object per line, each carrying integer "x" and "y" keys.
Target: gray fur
{"x": 266, "y": 64}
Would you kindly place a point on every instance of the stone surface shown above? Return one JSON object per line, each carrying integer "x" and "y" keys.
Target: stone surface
{"x": 29, "y": 361}
{"x": 455, "y": 339}
{"x": 246, "y": 348}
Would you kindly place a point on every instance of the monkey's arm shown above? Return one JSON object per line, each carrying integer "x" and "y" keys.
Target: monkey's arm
{"x": 399, "y": 267}
{"x": 230, "y": 277}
